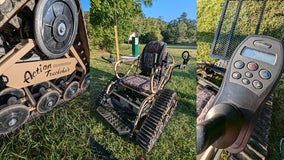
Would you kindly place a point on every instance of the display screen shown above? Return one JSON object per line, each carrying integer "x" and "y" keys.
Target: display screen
{"x": 261, "y": 56}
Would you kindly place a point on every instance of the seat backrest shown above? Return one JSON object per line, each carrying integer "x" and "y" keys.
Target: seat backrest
{"x": 152, "y": 56}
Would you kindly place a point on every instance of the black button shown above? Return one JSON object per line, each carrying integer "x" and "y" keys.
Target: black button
{"x": 239, "y": 64}
{"x": 249, "y": 74}
{"x": 245, "y": 81}
{"x": 236, "y": 75}
{"x": 252, "y": 66}
{"x": 264, "y": 74}
{"x": 257, "y": 84}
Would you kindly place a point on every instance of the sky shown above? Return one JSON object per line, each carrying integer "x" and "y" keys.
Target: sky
{"x": 170, "y": 9}
{"x": 167, "y": 9}
{"x": 85, "y": 5}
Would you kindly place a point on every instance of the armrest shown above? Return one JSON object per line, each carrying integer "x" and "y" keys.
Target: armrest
{"x": 152, "y": 83}
{"x": 133, "y": 60}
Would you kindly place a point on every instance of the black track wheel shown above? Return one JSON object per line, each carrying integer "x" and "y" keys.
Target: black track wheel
{"x": 71, "y": 90}
{"x": 60, "y": 80}
{"x": 11, "y": 96}
{"x": 47, "y": 102}
{"x": 86, "y": 82}
{"x": 55, "y": 26}
{"x": 41, "y": 86}
{"x": 13, "y": 117}
{"x": 157, "y": 118}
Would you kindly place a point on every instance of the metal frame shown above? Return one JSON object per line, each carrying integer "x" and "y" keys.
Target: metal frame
{"x": 149, "y": 97}
{"x": 14, "y": 64}
{"x": 233, "y": 27}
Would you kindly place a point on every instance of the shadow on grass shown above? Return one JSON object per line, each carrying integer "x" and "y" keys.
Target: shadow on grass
{"x": 99, "y": 80}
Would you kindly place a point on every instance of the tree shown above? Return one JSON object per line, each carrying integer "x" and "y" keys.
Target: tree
{"x": 128, "y": 14}
{"x": 183, "y": 17}
{"x": 180, "y": 30}
{"x": 147, "y": 3}
{"x": 102, "y": 18}
{"x": 151, "y": 30}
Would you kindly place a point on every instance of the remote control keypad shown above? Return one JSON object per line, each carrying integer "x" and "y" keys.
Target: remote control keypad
{"x": 246, "y": 73}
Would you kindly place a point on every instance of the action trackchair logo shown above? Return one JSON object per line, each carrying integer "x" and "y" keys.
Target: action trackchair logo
{"x": 47, "y": 70}
{"x": 30, "y": 75}
{"x": 38, "y": 71}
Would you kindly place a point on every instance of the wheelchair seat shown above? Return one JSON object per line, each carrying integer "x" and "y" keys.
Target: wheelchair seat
{"x": 151, "y": 62}
{"x": 139, "y": 82}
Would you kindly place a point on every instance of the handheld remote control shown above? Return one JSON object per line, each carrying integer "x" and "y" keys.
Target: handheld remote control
{"x": 253, "y": 72}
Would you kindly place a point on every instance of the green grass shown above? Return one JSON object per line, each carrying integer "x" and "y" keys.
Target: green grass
{"x": 177, "y": 140}
{"x": 277, "y": 123}
{"x": 182, "y": 46}
{"x": 59, "y": 134}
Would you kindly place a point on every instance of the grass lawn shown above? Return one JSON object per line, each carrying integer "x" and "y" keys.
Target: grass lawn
{"x": 178, "y": 140}
{"x": 59, "y": 134}
{"x": 277, "y": 123}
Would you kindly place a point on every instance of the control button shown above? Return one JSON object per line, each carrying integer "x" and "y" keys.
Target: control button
{"x": 239, "y": 64}
{"x": 257, "y": 84}
{"x": 236, "y": 75}
{"x": 264, "y": 74}
{"x": 252, "y": 66}
{"x": 245, "y": 81}
{"x": 249, "y": 74}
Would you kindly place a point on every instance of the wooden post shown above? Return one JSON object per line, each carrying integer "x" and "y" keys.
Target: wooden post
{"x": 116, "y": 42}
{"x": 116, "y": 34}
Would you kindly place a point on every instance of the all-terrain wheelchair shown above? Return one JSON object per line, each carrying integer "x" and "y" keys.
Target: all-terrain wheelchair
{"x": 140, "y": 102}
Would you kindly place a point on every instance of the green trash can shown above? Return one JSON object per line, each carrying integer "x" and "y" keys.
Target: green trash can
{"x": 135, "y": 42}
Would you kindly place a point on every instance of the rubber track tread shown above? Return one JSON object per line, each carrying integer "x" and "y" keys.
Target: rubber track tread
{"x": 149, "y": 131}
{"x": 116, "y": 122}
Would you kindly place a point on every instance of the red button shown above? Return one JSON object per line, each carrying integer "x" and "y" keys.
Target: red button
{"x": 252, "y": 66}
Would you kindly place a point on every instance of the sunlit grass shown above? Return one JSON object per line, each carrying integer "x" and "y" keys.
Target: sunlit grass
{"x": 177, "y": 140}
{"x": 277, "y": 123}
{"x": 59, "y": 134}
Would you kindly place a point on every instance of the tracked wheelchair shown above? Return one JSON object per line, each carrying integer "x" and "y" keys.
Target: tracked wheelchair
{"x": 139, "y": 103}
